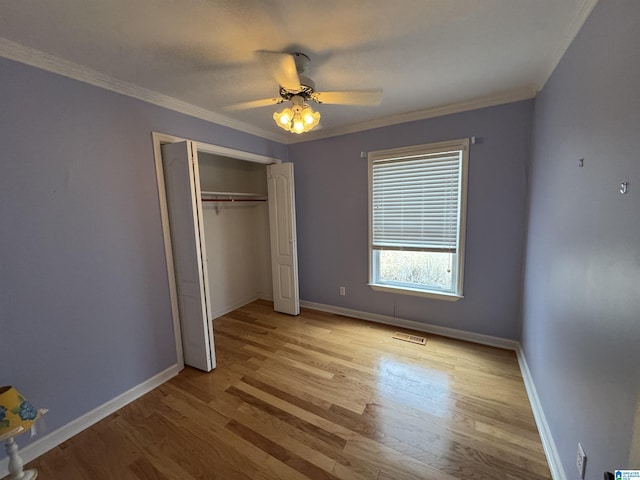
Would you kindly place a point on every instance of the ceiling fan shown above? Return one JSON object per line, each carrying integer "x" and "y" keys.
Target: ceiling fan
{"x": 298, "y": 116}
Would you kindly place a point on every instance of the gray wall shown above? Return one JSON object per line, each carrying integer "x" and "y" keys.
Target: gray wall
{"x": 84, "y": 299}
{"x": 581, "y": 308}
{"x": 331, "y": 207}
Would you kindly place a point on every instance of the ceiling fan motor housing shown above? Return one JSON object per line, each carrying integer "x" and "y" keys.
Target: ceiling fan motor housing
{"x": 301, "y": 60}
{"x": 294, "y": 84}
{"x": 307, "y": 86}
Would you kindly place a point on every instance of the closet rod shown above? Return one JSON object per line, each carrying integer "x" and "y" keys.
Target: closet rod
{"x": 233, "y": 200}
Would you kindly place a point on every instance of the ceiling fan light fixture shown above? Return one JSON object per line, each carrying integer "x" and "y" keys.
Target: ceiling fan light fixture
{"x": 299, "y": 90}
{"x": 310, "y": 117}
{"x": 298, "y": 125}
{"x": 299, "y": 118}
{"x": 284, "y": 117}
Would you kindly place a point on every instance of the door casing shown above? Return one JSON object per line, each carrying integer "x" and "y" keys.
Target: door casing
{"x": 158, "y": 140}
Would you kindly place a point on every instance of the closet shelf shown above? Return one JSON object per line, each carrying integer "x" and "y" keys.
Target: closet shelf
{"x": 233, "y": 197}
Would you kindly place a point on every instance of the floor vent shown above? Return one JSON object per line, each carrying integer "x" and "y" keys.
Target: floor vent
{"x": 410, "y": 338}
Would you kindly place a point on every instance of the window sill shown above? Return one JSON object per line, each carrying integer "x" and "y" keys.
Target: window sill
{"x": 449, "y": 297}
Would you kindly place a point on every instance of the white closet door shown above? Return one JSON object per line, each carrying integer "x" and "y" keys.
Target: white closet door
{"x": 182, "y": 183}
{"x": 284, "y": 251}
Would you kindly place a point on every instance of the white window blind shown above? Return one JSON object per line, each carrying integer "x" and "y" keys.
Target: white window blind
{"x": 416, "y": 201}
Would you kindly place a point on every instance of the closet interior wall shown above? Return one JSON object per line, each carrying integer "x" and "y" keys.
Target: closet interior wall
{"x": 236, "y": 233}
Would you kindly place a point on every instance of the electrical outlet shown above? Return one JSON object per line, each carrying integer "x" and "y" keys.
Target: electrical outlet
{"x": 343, "y": 291}
{"x": 581, "y": 461}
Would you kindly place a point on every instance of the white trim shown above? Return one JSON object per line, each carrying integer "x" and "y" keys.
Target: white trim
{"x": 462, "y": 216}
{"x": 439, "y": 111}
{"x": 51, "y": 63}
{"x": 64, "y": 433}
{"x": 234, "y": 306}
{"x": 448, "y": 297}
{"x": 413, "y": 325}
{"x": 268, "y": 297}
{"x": 158, "y": 140}
{"x": 462, "y": 145}
{"x": 550, "y": 450}
{"x": 233, "y": 153}
{"x": 223, "y": 311}
{"x": 565, "y": 42}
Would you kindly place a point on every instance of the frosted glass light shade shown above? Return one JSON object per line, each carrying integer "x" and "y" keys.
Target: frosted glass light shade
{"x": 299, "y": 119}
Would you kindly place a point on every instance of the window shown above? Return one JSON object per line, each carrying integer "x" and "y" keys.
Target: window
{"x": 417, "y": 206}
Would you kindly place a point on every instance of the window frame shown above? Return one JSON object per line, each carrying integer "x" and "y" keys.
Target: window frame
{"x": 429, "y": 148}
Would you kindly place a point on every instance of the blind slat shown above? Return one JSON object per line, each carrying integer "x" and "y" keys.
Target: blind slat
{"x": 415, "y": 201}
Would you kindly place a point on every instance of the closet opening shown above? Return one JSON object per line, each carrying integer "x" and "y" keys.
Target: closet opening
{"x": 228, "y": 220}
{"x": 236, "y": 231}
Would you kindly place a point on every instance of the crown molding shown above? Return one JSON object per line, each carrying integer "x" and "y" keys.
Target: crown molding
{"x": 439, "y": 111}
{"x": 563, "y": 45}
{"x": 51, "y": 63}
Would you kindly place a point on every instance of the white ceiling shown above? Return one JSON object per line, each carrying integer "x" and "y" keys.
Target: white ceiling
{"x": 198, "y": 56}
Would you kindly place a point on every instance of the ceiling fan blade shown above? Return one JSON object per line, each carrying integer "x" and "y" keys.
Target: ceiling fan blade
{"x": 282, "y": 68}
{"x": 350, "y": 97}
{"x": 265, "y": 102}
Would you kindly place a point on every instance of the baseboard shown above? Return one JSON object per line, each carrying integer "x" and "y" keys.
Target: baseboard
{"x": 413, "y": 325}
{"x": 230, "y": 308}
{"x": 64, "y": 433}
{"x": 224, "y": 310}
{"x": 550, "y": 450}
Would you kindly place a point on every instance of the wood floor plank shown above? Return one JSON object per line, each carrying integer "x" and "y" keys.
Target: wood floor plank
{"x": 293, "y": 420}
{"x": 319, "y": 396}
{"x": 296, "y": 462}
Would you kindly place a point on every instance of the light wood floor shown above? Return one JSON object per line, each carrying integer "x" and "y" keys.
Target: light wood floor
{"x": 319, "y": 396}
